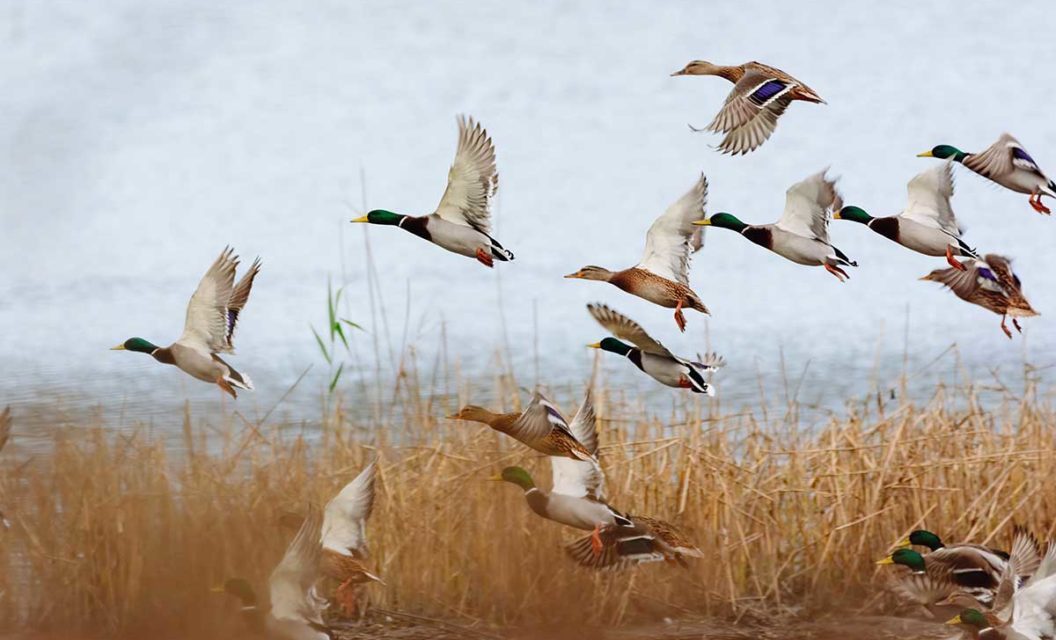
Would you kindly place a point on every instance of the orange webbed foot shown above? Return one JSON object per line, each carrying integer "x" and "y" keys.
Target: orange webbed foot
{"x": 840, "y": 274}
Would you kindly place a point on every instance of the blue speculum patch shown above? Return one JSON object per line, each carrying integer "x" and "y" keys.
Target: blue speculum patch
{"x": 768, "y": 90}
{"x": 1020, "y": 154}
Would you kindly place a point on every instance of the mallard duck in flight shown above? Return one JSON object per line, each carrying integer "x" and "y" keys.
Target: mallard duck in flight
{"x": 344, "y": 538}
{"x": 662, "y": 276}
{"x": 541, "y": 427}
{"x": 462, "y": 220}
{"x": 296, "y": 607}
{"x": 927, "y": 224}
{"x": 212, "y": 316}
{"x": 577, "y": 499}
{"x": 652, "y": 357}
{"x": 802, "y": 233}
{"x": 1008, "y": 164}
{"x": 991, "y": 284}
{"x": 760, "y": 95}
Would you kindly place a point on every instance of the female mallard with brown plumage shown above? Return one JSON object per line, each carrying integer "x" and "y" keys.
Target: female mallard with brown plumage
{"x": 462, "y": 221}
{"x": 991, "y": 284}
{"x": 760, "y": 95}
{"x": 212, "y": 316}
{"x": 541, "y": 427}
{"x": 927, "y": 225}
{"x": 344, "y": 538}
{"x": 801, "y": 234}
{"x": 662, "y": 276}
{"x": 1008, "y": 164}
{"x": 577, "y": 499}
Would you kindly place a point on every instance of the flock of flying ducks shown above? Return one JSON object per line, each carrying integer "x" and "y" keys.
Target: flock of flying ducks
{"x": 334, "y": 544}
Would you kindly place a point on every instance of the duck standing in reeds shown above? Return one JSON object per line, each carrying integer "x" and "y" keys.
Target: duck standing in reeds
{"x": 662, "y": 276}
{"x": 1008, "y": 164}
{"x": 212, "y": 315}
{"x": 927, "y": 225}
{"x": 760, "y": 95}
{"x": 577, "y": 499}
{"x": 540, "y": 427}
{"x": 462, "y": 221}
{"x": 802, "y": 233}
{"x": 650, "y": 356}
{"x": 991, "y": 284}
{"x": 296, "y": 607}
{"x": 344, "y": 538}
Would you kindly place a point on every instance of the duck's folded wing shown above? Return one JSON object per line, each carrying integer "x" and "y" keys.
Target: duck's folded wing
{"x": 624, "y": 328}
{"x": 208, "y": 325}
{"x": 756, "y": 92}
{"x": 293, "y": 581}
{"x": 345, "y": 517}
{"x": 929, "y": 199}
{"x": 472, "y": 180}
{"x": 1002, "y": 158}
{"x": 807, "y": 207}
{"x": 672, "y": 237}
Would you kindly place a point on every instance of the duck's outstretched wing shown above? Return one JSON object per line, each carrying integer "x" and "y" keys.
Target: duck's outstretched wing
{"x": 292, "y": 583}
{"x": 673, "y": 238}
{"x": 472, "y": 180}
{"x": 344, "y": 527}
{"x": 624, "y": 328}
{"x": 807, "y": 207}
{"x": 580, "y": 478}
{"x": 208, "y": 326}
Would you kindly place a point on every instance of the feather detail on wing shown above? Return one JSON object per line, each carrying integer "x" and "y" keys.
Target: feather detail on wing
{"x": 671, "y": 238}
{"x": 293, "y": 580}
{"x": 580, "y": 478}
{"x": 472, "y": 180}
{"x": 624, "y": 328}
{"x": 538, "y": 420}
{"x": 344, "y": 527}
{"x": 206, "y": 327}
{"x": 807, "y": 207}
{"x": 1002, "y": 158}
{"x": 238, "y": 300}
{"x": 929, "y": 199}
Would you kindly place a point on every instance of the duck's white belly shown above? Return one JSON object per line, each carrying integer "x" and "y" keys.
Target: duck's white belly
{"x": 922, "y": 239}
{"x": 1021, "y": 181}
{"x": 580, "y": 513}
{"x": 457, "y": 238}
{"x": 799, "y": 249}
{"x": 663, "y": 370}
{"x": 197, "y": 364}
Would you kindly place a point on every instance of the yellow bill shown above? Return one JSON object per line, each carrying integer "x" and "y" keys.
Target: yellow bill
{"x": 361, "y": 219}
{"x": 887, "y": 560}
{"x": 954, "y": 620}
{"x": 120, "y": 347}
{"x": 596, "y": 345}
{"x": 702, "y": 223}
{"x": 925, "y": 154}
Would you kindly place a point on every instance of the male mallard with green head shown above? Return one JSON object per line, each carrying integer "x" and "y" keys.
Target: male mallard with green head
{"x": 577, "y": 499}
{"x": 927, "y": 224}
{"x": 760, "y": 95}
{"x": 650, "y": 356}
{"x": 212, "y": 316}
{"x": 991, "y": 284}
{"x": 462, "y": 221}
{"x": 1026, "y": 612}
{"x": 344, "y": 538}
{"x": 802, "y": 233}
{"x": 662, "y": 276}
{"x": 1008, "y": 164}
{"x": 541, "y": 427}
{"x": 296, "y": 608}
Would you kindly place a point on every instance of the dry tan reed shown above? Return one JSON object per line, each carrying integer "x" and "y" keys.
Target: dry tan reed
{"x": 119, "y": 531}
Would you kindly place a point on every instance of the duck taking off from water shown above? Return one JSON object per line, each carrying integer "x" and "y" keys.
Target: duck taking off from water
{"x": 760, "y": 95}
{"x": 662, "y": 276}
{"x": 212, "y": 316}
{"x": 991, "y": 284}
{"x": 462, "y": 220}
{"x": 802, "y": 233}
{"x": 1008, "y": 164}
{"x": 927, "y": 224}
{"x": 652, "y": 357}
